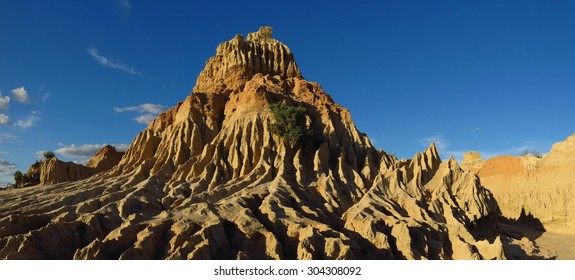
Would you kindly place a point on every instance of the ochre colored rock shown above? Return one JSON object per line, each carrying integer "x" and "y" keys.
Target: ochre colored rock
{"x": 52, "y": 170}
{"x": 55, "y": 171}
{"x": 105, "y": 159}
{"x": 536, "y": 190}
{"x": 208, "y": 180}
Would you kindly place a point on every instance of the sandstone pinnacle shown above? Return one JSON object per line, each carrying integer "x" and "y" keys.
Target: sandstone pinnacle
{"x": 237, "y": 60}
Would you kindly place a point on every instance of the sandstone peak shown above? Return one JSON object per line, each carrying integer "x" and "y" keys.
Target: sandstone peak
{"x": 105, "y": 159}
{"x": 264, "y": 34}
{"x": 239, "y": 59}
{"x": 471, "y": 162}
{"x": 471, "y": 157}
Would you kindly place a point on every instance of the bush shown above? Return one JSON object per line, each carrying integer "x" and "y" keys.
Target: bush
{"x": 289, "y": 123}
{"x": 18, "y": 177}
{"x": 49, "y": 154}
{"x": 534, "y": 153}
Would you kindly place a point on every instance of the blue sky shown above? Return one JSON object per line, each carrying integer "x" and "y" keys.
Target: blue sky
{"x": 491, "y": 76}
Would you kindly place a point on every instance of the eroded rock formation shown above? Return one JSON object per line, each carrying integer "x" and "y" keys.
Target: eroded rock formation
{"x": 53, "y": 170}
{"x": 540, "y": 189}
{"x": 208, "y": 180}
{"x": 105, "y": 159}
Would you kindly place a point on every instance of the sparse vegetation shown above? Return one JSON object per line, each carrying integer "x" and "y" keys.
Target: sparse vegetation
{"x": 49, "y": 154}
{"x": 533, "y": 152}
{"x": 290, "y": 123}
{"x": 21, "y": 179}
{"x": 18, "y": 177}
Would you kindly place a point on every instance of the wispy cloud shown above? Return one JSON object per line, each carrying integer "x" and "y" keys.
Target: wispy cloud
{"x": 46, "y": 94}
{"x": 4, "y": 102}
{"x": 8, "y": 138}
{"x": 21, "y": 95}
{"x": 104, "y": 61}
{"x": 28, "y": 121}
{"x": 125, "y": 4}
{"x": 143, "y": 108}
{"x": 4, "y": 120}
{"x": 148, "y": 111}
{"x": 83, "y": 153}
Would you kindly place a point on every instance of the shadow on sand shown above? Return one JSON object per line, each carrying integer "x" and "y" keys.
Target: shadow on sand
{"x": 518, "y": 236}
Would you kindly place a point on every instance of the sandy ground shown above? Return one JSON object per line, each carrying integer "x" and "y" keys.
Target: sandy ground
{"x": 524, "y": 242}
{"x": 560, "y": 244}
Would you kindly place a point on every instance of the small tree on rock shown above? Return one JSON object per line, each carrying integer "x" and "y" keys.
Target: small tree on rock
{"x": 290, "y": 123}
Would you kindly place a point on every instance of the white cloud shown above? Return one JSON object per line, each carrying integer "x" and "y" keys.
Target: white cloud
{"x": 4, "y": 102}
{"x": 21, "y": 95}
{"x": 109, "y": 63}
{"x": 82, "y": 153}
{"x": 40, "y": 154}
{"x": 4, "y": 120}
{"x": 121, "y": 147}
{"x": 143, "y": 108}
{"x": 148, "y": 111}
{"x": 28, "y": 121}
{"x": 7, "y": 168}
{"x": 145, "y": 119}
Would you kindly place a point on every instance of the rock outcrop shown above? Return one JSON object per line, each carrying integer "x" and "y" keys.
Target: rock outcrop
{"x": 105, "y": 159}
{"x": 53, "y": 170}
{"x": 208, "y": 180}
{"x": 538, "y": 190}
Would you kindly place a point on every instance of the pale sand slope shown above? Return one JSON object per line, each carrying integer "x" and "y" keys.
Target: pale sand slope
{"x": 561, "y": 245}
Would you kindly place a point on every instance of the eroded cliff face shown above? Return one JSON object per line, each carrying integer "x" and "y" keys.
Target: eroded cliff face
{"x": 208, "y": 180}
{"x": 53, "y": 170}
{"x": 538, "y": 188}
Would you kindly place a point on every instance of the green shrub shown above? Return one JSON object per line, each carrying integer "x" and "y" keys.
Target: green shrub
{"x": 18, "y": 177}
{"x": 289, "y": 123}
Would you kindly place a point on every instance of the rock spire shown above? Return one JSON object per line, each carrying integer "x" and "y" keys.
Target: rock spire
{"x": 237, "y": 60}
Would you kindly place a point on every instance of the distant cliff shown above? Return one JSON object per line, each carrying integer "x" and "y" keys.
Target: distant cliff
{"x": 53, "y": 170}
{"x": 543, "y": 188}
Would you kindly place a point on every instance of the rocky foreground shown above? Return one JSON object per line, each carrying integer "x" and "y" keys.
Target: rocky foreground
{"x": 208, "y": 180}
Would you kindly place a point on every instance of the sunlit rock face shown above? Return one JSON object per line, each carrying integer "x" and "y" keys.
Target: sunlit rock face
{"x": 208, "y": 180}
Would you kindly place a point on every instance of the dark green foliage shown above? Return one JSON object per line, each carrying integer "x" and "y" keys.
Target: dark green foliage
{"x": 18, "y": 177}
{"x": 289, "y": 123}
{"x": 25, "y": 178}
